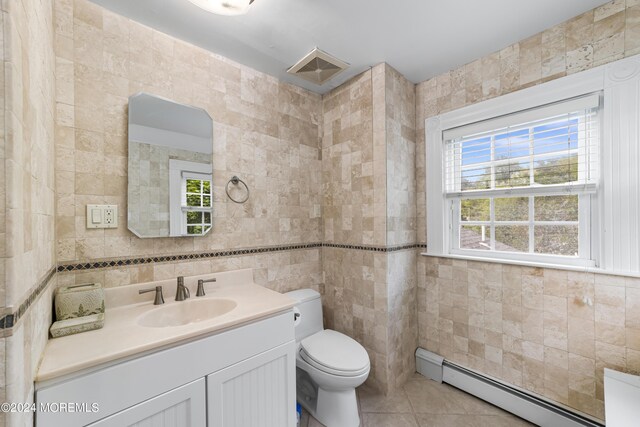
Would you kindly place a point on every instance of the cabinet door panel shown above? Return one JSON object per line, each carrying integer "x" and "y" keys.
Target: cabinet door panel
{"x": 257, "y": 392}
{"x": 182, "y": 407}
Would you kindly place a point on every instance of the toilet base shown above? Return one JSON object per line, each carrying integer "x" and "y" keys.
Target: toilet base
{"x": 337, "y": 408}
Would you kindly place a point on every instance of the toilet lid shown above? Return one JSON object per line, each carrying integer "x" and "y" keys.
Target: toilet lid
{"x": 335, "y": 351}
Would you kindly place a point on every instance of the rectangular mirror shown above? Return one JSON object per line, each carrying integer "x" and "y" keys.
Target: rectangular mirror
{"x": 170, "y": 168}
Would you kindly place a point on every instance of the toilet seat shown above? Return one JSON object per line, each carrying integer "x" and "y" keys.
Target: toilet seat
{"x": 335, "y": 353}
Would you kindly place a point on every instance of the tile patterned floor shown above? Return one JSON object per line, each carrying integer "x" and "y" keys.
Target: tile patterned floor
{"x": 425, "y": 403}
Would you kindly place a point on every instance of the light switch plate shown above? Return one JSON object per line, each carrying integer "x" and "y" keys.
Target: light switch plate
{"x": 102, "y": 216}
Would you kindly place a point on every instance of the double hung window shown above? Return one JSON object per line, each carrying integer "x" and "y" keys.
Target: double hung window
{"x": 520, "y": 186}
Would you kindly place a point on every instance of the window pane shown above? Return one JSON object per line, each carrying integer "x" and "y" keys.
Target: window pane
{"x": 476, "y": 151}
{"x": 512, "y": 238}
{"x": 557, "y": 170}
{"x": 193, "y": 200}
{"x": 193, "y": 186}
{"x": 194, "y": 217}
{"x": 207, "y": 218}
{"x": 512, "y": 175}
{"x": 475, "y": 237}
{"x": 206, "y": 201}
{"x": 556, "y": 208}
{"x": 512, "y": 144}
{"x": 512, "y": 209}
{"x": 556, "y": 239}
{"x": 206, "y": 187}
{"x": 474, "y": 210}
{"x": 476, "y": 179}
{"x": 194, "y": 229}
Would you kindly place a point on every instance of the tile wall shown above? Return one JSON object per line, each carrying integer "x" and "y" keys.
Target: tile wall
{"x": 354, "y": 214}
{"x": 368, "y": 199}
{"x": 27, "y": 192}
{"x": 266, "y": 132}
{"x": 401, "y": 229}
{"x": 528, "y": 326}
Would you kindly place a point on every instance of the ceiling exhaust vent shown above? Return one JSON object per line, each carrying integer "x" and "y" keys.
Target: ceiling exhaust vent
{"x": 318, "y": 67}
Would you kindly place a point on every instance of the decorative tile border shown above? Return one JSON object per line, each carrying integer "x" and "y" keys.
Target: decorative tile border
{"x": 125, "y": 262}
{"x": 375, "y": 248}
{"x": 8, "y": 321}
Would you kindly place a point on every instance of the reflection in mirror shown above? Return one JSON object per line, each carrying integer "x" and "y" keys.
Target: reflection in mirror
{"x": 170, "y": 168}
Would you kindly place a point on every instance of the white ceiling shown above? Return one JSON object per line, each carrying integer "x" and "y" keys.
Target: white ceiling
{"x": 419, "y": 38}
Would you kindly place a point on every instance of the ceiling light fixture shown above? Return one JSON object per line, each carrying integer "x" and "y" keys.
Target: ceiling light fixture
{"x": 224, "y": 7}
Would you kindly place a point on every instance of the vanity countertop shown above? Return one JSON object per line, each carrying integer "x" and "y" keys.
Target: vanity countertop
{"x": 122, "y": 336}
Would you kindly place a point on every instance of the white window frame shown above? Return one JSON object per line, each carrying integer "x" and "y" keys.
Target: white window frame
{"x": 439, "y": 224}
{"x": 584, "y": 189}
{"x": 179, "y": 172}
{"x": 615, "y": 236}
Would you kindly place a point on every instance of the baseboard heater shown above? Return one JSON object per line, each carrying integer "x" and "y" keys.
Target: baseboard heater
{"x": 511, "y": 399}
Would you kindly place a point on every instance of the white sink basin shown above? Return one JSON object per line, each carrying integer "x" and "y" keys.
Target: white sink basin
{"x": 186, "y": 312}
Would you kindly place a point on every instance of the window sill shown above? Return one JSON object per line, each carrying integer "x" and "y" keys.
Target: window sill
{"x": 534, "y": 264}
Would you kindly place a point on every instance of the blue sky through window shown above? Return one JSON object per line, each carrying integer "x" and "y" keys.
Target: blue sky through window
{"x": 551, "y": 140}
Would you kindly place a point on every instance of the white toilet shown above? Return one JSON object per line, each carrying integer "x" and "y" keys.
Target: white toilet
{"x": 330, "y": 365}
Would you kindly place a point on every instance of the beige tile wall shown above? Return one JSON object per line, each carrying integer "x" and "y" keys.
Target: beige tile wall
{"x": 266, "y": 132}
{"x": 528, "y": 326}
{"x": 400, "y": 179}
{"x": 352, "y": 211}
{"x": 369, "y": 198}
{"x": 27, "y": 245}
{"x": 402, "y": 324}
{"x": 23, "y": 350}
{"x": 28, "y": 191}
{"x": 400, "y": 132}
{"x": 355, "y": 303}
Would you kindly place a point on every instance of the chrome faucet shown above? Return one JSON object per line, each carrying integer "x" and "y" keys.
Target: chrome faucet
{"x": 182, "y": 292}
{"x": 201, "y": 283}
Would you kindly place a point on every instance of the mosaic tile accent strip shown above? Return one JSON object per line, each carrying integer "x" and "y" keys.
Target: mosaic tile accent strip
{"x": 122, "y": 262}
{"x": 11, "y": 319}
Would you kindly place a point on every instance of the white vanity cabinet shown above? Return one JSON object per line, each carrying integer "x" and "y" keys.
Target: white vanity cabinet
{"x": 241, "y": 377}
{"x": 184, "y": 406}
{"x": 254, "y": 392}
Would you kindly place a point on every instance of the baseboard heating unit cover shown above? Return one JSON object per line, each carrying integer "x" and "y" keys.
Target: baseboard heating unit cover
{"x": 511, "y": 399}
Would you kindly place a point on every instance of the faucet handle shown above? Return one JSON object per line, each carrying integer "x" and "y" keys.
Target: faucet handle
{"x": 159, "y": 299}
{"x": 201, "y": 282}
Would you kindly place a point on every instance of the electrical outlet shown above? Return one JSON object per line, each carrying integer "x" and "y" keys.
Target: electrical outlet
{"x": 109, "y": 216}
{"x": 102, "y": 216}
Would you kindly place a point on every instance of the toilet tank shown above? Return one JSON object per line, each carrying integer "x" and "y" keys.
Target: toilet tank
{"x": 309, "y": 306}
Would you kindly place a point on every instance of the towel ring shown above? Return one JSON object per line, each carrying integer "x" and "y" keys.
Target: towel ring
{"x": 235, "y": 180}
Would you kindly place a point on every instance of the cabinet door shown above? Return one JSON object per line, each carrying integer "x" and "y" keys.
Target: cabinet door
{"x": 182, "y": 407}
{"x": 257, "y": 392}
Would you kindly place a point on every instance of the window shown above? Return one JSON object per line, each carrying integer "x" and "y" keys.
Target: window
{"x": 196, "y": 203}
{"x": 520, "y": 186}
{"x": 190, "y": 198}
